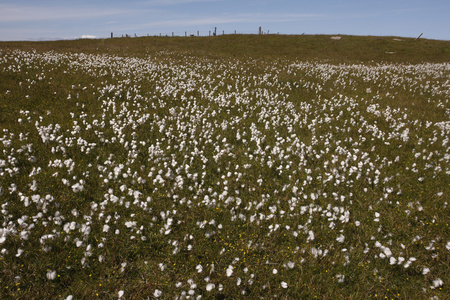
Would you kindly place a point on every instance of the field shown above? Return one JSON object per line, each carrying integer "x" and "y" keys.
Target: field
{"x": 253, "y": 167}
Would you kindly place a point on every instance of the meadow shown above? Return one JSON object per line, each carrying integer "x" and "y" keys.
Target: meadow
{"x": 253, "y": 167}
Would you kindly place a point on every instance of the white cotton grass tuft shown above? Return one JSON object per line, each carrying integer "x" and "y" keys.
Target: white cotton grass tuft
{"x": 210, "y": 287}
{"x": 284, "y": 285}
{"x": 340, "y": 238}
{"x": 51, "y": 275}
{"x": 437, "y": 283}
{"x": 230, "y": 271}
{"x": 340, "y": 278}
{"x": 121, "y": 293}
{"x": 157, "y": 293}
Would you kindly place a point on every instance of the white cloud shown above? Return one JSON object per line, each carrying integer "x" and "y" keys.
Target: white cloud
{"x": 19, "y": 13}
{"x": 237, "y": 18}
{"x": 174, "y": 2}
{"x": 88, "y": 36}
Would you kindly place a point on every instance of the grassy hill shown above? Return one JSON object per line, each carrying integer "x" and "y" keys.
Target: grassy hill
{"x": 304, "y": 47}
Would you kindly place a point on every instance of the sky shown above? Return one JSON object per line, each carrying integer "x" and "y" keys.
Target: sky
{"x": 69, "y": 19}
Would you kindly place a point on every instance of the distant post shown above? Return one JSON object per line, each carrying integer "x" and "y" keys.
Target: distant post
{"x": 172, "y": 33}
{"x": 223, "y": 32}
{"x": 210, "y": 33}
{"x": 260, "y": 30}
{"x": 185, "y": 34}
{"x": 234, "y": 31}
{"x": 419, "y": 36}
{"x": 198, "y": 33}
{"x": 112, "y": 35}
{"x": 215, "y": 31}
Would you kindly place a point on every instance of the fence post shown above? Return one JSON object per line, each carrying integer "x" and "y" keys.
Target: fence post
{"x": 210, "y": 33}
{"x": 234, "y": 31}
{"x": 112, "y": 35}
{"x": 260, "y": 30}
{"x": 198, "y": 33}
{"x": 215, "y": 31}
{"x": 185, "y": 34}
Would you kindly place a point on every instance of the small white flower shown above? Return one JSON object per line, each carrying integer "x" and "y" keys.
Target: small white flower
{"x": 274, "y": 271}
{"x": 340, "y": 238}
{"x": 51, "y": 275}
{"x": 437, "y": 283}
{"x": 425, "y": 271}
{"x": 340, "y": 278}
{"x": 392, "y": 260}
{"x": 121, "y": 294}
{"x": 229, "y": 271}
{"x": 284, "y": 285}
{"x": 210, "y": 286}
{"x": 199, "y": 268}
{"x": 19, "y": 252}
{"x": 157, "y": 293}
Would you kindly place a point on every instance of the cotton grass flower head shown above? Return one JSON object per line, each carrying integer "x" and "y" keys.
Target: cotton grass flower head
{"x": 437, "y": 283}
{"x": 157, "y": 293}
{"x": 51, "y": 275}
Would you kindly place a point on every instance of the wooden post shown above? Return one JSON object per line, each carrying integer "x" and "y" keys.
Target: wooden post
{"x": 198, "y": 33}
{"x": 112, "y": 35}
{"x": 419, "y": 36}
{"x": 172, "y": 33}
{"x": 259, "y": 29}
{"x": 185, "y": 33}
{"x": 223, "y": 32}
{"x": 210, "y": 33}
{"x": 234, "y": 31}
{"x": 215, "y": 31}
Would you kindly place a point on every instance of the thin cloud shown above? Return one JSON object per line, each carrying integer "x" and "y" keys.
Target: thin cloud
{"x": 17, "y": 13}
{"x": 227, "y": 19}
{"x": 175, "y": 2}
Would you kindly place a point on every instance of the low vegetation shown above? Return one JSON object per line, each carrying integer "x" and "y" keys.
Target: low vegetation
{"x": 294, "y": 167}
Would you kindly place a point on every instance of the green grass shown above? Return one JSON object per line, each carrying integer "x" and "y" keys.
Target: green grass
{"x": 274, "y": 47}
{"x": 275, "y": 139}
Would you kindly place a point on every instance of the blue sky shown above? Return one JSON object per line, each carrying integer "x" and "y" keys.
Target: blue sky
{"x": 62, "y": 19}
